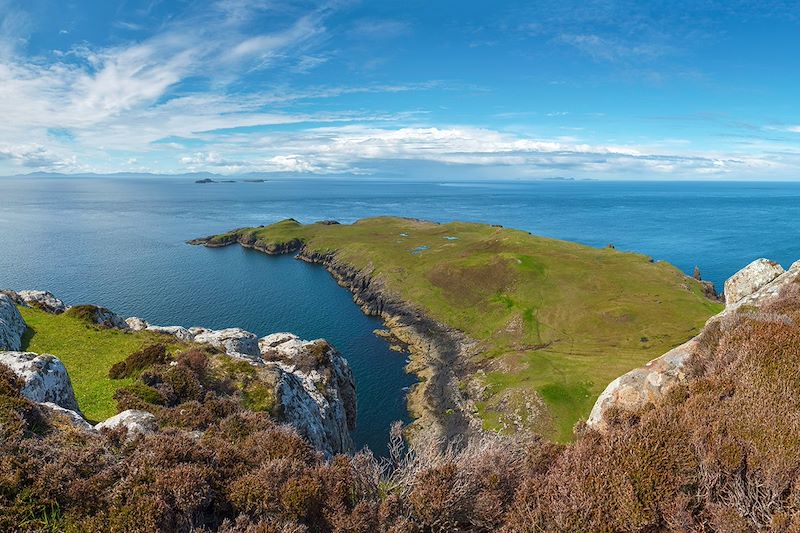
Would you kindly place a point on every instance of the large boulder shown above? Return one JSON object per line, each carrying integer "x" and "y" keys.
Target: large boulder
{"x": 12, "y": 326}
{"x": 43, "y": 300}
{"x": 750, "y": 279}
{"x": 45, "y": 378}
{"x": 135, "y": 421}
{"x": 236, "y": 342}
{"x": 315, "y": 390}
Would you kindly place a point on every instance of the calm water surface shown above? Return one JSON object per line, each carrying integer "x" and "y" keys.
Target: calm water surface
{"x": 120, "y": 243}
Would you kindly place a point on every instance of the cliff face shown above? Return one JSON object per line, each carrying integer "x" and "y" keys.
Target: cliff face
{"x": 312, "y": 384}
{"x": 438, "y": 351}
{"x": 760, "y": 284}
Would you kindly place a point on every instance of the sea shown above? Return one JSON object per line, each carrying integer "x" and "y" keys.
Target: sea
{"x": 120, "y": 243}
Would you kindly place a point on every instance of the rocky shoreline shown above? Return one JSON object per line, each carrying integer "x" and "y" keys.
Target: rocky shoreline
{"x": 438, "y": 353}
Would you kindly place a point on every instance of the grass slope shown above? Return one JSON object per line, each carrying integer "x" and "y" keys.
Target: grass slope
{"x": 554, "y": 317}
{"x": 87, "y": 352}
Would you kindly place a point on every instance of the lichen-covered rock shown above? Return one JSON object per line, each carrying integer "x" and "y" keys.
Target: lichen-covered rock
{"x": 315, "y": 389}
{"x": 759, "y": 283}
{"x": 68, "y": 417}
{"x": 136, "y": 324}
{"x": 12, "y": 326}
{"x": 45, "y": 378}
{"x": 750, "y": 279}
{"x": 236, "y": 342}
{"x": 43, "y": 300}
{"x": 135, "y": 421}
{"x": 767, "y": 292}
{"x": 179, "y": 332}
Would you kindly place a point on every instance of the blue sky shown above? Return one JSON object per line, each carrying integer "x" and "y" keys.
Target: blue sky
{"x": 606, "y": 89}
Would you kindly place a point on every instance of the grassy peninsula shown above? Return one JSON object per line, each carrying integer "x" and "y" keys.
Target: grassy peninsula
{"x": 554, "y": 321}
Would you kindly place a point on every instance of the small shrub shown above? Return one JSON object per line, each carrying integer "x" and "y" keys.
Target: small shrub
{"x": 153, "y": 354}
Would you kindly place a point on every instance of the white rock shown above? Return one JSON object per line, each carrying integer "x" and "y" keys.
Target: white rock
{"x": 235, "y": 341}
{"x": 43, "y": 300}
{"x": 750, "y": 279}
{"x": 640, "y": 386}
{"x": 135, "y": 421}
{"x": 316, "y": 390}
{"x": 72, "y": 417}
{"x": 136, "y": 324}
{"x": 46, "y": 379}
{"x": 179, "y": 332}
{"x": 12, "y": 326}
{"x": 284, "y": 345}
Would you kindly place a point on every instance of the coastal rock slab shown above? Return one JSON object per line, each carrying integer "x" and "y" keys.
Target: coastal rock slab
{"x": 644, "y": 385}
{"x": 68, "y": 416}
{"x": 235, "y": 341}
{"x": 315, "y": 389}
{"x": 43, "y": 300}
{"x": 136, "y": 324}
{"x": 750, "y": 279}
{"x": 45, "y": 378}
{"x": 12, "y": 326}
{"x": 179, "y": 332}
{"x": 135, "y": 421}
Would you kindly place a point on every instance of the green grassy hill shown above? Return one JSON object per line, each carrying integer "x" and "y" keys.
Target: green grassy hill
{"x": 556, "y": 321}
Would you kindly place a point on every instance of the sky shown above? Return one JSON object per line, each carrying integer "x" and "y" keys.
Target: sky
{"x": 602, "y": 89}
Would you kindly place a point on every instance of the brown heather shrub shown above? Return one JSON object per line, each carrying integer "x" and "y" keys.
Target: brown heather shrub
{"x": 153, "y": 354}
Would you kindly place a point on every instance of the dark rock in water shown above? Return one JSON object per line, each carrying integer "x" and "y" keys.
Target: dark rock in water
{"x": 254, "y": 181}
{"x": 205, "y": 180}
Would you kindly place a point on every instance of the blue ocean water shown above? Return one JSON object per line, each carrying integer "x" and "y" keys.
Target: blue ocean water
{"x": 120, "y": 243}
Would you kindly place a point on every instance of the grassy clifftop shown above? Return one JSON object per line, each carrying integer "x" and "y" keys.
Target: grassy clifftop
{"x": 555, "y": 321}
{"x": 87, "y": 352}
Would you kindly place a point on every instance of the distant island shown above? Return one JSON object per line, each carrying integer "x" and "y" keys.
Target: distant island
{"x": 507, "y": 330}
{"x": 209, "y": 180}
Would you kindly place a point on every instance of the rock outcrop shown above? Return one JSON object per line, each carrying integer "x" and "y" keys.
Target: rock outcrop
{"x": 45, "y": 378}
{"x": 315, "y": 389}
{"x": 134, "y": 421}
{"x": 750, "y": 279}
{"x": 759, "y": 283}
{"x": 12, "y": 326}
{"x": 43, "y": 300}
{"x": 136, "y": 324}
{"x": 236, "y": 342}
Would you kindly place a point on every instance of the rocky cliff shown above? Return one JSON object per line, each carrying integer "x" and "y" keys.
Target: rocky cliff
{"x": 759, "y": 284}
{"x": 437, "y": 351}
{"x": 312, "y": 384}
